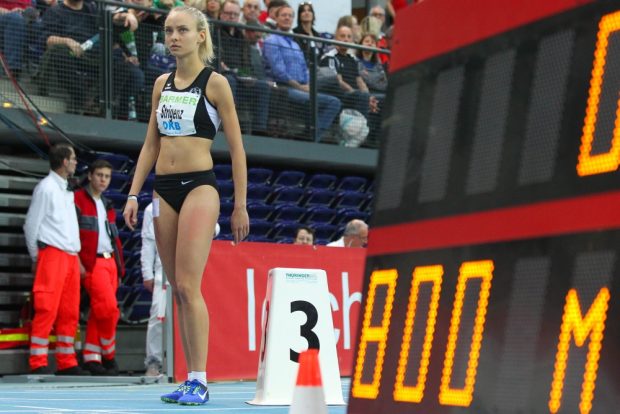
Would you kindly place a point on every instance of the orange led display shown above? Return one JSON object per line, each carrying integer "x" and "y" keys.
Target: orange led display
{"x": 423, "y": 274}
{"x": 600, "y": 163}
{"x": 376, "y": 334}
{"x": 581, "y": 328}
{"x": 463, "y": 396}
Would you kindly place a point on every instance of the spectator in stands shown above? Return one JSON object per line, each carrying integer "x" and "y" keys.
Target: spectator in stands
{"x": 352, "y": 90}
{"x": 12, "y": 32}
{"x": 188, "y": 106}
{"x": 305, "y": 235}
{"x": 288, "y": 66}
{"x": 370, "y": 67}
{"x": 167, "y": 4}
{"x": 53, "y": 240}
{"x": 242, "y": 65}
{"x": 213, "y": 9}
{"x": 73, "y": 54}
{"x": 152, "y": 276}
{"x": 251, "y": 11}
{"x": 272, "y": 13}
{"x": 102, "y": 260}
{"x": 378, "y": 13}
{"x": 355, "y": 235}
{"x": 351, "y": 22}
{"x": 305, "y": 26}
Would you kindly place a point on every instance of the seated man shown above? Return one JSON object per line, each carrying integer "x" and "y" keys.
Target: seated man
{"x": 287, "y": 64}
{"x": 355, "y": 235}
{"x": 12, "y": 32}
{"x": 238, "y": 62}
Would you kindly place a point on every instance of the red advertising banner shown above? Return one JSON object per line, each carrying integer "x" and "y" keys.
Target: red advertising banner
{"x": 234, "y": 285}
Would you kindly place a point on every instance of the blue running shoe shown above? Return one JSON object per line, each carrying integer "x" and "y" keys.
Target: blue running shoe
{"x": 197, "y": 395}
{"x": 174, "y": 396}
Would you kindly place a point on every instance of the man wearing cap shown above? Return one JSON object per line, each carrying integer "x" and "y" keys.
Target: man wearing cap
{"x": 102, "y": 258}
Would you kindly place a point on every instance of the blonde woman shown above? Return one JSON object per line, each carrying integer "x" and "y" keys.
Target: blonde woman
{"x": 188, "y": 106}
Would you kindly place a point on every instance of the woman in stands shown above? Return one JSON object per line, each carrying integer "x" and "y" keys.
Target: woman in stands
{"x": 188, "y": 105}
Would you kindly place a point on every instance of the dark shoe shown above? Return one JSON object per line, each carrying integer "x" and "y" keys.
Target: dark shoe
{"x": 95, "y": 368}
{"x": 110, "y": 366}
{"x": 76, "y": 370}
{"x": 44, "y": 370}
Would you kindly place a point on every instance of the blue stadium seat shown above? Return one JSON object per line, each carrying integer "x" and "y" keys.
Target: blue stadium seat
{"x": 325, "y": 231}
{"x": 133, "y": 277}
{"x": 321, "y": 215}
{"x": 223, "y": 172}
{"x": 321, "y": 242}
{"x": 259, "y": 210}
{"x": 317, "y": 197}
{"x": 122, "y": 294}
{"x": 258, "y": 192}
{"x": 287, "y": 195}
{"x": 260, "y": 227}
{"x": 354, "y": 199}
{"x": 144, "y": 199}
{"x": 132, "y": 258}
{"x": 147, "y": 187}
{"x": 352, "y": 183}
{"x": 290, "y": 178}
{"x": 119, "y": 181}
{"x": 139, "y": 309}
{"x": 284, "y": 229}
{"x": 225, "y": 230}
{"x": 347, "y": 214}
{"x": 117, "y": 198}
{"x": 260, "y": 239}
{"x": 322, "y": 181}
{"x": 226, "y": 189}
{"x": 259, "y": 175}
{"x": 288, "y": 212}
{"x": 285, "y": 240}
{"x": 226, "y": 208}
{"x": 133, "y": 242}
{"x": 120, "y": 162}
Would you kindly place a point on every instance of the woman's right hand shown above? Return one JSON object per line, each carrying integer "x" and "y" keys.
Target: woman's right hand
{"x": 130, "y": 213}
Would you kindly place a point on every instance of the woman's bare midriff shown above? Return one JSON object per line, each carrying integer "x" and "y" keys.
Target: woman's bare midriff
{"x": 183, "y": 154}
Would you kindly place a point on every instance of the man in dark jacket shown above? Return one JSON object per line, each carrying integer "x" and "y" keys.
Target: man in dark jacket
{"x": 102, "y": 258}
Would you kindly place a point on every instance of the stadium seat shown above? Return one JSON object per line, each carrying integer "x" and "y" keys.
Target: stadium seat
{"x": 120, "y": 162}
{"x": 325, "y": 231}
{"x": 284, "y": 229}
{"x": 347, "y": 214}
{"x": 117, "y": 198}
{"x": 259, "y": 210}
{"x": 223, "y": 172}
{"x": 317, "y": 197}
{"x": 122, "y": 294}
{"x": 320, "y": 215}
{"x": 322, "y": 181}
{"x": 287, "y": 195}
{"x": 290, "y": 178}
{"x": 352, "y": 183}
{"x": 260, "y": 227}
{"x": 144, "y": 199}
{"x": 147, "y": 187}
{"x": 119, "y": 181}
{"x": 226, "y": 208}
{"x": 133, "y": 277}
{"x": 133, "y": 242}
{"x": 138, "y": 311}
{"x": 225, "y": 230}
{"x": 226, "y": 189}
{"x": 260, "y": 239}
{"x": 258, "y": 192}
{"x": 285, "y": 240}
{"x": 288, "y": 212}
{"x": 259, "y": 175}
{"x": 354, "y": 199}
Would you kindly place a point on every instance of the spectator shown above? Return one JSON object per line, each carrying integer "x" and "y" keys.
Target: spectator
{"x": 378, "y": 13}
{"x": 288, "y": 66}
{"x": 370, "y": 67}
{"x": 305, "y": 26}
{"x": 305, "y": 235}
{"x": 13, "y": 32}
{"x": 251, "y": 11}
{"x": 352, "y": 91}
{"x": 153, "y": 280}
{"x": 272, "y": 12}
{"x": 53, "y": 240}
{"x": 103, "y": 266}
{"x": 351, "y": 22}
{"x": 355, "y": 235}
{"x": 213, "y": 9}
{"x": 242, "y": 66}
{"x": 72, "y": 56}
{"x": 167, "y": 4}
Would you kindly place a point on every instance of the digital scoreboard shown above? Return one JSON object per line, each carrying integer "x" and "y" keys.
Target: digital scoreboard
{"x": 493, "y": 273}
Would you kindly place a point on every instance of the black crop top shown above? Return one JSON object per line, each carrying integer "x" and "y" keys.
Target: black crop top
{"x": 187, "y": 112}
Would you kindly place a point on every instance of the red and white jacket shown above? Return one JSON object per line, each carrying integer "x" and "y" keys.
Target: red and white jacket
{"x": 89, "y": 230}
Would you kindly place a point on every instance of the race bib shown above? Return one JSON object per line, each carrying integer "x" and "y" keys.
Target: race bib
{"x": 176, "y": 110}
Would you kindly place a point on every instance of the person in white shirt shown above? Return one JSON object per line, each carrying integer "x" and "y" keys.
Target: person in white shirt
{"x": 355, "y": 235}
{"x": 53, "y": 241}
{"x": 152, "y": 279}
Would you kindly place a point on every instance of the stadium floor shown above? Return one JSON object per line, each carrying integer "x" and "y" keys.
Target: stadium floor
{"x": 120, "y": 398}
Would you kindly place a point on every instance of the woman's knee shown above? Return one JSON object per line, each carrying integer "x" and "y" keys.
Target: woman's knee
{"x": 186, "y": 292}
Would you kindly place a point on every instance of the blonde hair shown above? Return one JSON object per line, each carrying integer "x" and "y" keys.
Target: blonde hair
{"x": 205, "y": 49}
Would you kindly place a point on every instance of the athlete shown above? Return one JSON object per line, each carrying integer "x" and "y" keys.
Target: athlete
{"x": 188, "y": 106}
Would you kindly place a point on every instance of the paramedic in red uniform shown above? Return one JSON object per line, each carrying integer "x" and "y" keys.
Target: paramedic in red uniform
{"x": 53, "y": 241}
{"x": 101, "y": 256}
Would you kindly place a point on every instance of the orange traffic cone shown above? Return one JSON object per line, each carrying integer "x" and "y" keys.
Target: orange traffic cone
{"x": 308, "y": 397}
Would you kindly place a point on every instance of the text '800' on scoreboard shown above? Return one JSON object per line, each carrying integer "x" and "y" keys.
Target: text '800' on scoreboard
{"x": 493, "y": 275}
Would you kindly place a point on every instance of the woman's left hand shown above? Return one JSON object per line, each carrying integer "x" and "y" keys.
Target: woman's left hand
{"x": 240, "y": 224}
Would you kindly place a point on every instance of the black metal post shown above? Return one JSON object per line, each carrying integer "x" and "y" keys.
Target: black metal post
{"x": 106, "y": 71}
{"x": 314, "y": 102}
